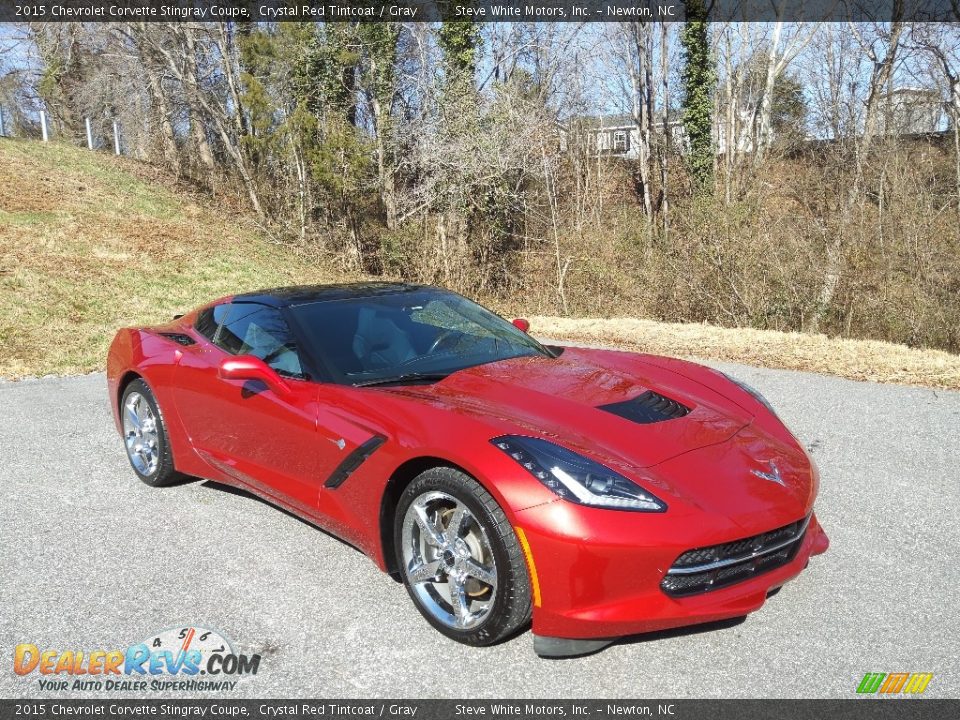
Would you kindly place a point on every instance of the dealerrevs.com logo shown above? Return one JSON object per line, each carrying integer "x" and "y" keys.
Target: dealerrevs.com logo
{"x": 187, "y": 659}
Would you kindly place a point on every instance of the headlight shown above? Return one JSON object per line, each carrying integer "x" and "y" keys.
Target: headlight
{"x": 576, "y": 478}
{"x": 757, "y": 395}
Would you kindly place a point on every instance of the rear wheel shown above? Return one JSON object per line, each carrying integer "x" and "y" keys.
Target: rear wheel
{"x": 145, "y": 437}
{"x": 460, "y": 559}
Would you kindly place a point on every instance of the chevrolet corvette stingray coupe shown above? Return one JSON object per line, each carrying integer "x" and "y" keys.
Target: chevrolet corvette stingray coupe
{"x": 597, "y": 493}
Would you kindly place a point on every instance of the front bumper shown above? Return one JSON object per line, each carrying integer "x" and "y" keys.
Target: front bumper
{"x": 599, "y": 577}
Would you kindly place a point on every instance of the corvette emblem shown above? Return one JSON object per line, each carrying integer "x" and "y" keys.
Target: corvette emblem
{"x": 772, "y": 476}
{"x": 341, "y": 443}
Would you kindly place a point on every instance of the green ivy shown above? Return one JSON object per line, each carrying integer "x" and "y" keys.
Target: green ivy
{"x": 699, "y": 79}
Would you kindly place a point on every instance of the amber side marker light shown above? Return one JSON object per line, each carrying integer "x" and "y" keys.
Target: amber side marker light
{"x": 534, "y": 581}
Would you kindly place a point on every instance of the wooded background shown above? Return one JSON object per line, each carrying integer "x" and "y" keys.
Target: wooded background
{"x": 770, "y": 184}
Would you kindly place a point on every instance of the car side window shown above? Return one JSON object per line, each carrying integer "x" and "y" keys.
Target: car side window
{"x": 209, "y": 320}
{"x": 261, "y": 331}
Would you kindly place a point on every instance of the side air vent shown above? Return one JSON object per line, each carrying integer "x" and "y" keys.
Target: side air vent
{"x": 648, "y": 407}
{"x": 179, "y": 338}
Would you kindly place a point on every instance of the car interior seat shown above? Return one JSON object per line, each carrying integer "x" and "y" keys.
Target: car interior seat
{"x": 262, "y": 344}
{"x": 379, "y": 342}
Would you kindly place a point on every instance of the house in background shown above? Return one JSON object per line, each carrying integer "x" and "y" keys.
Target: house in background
{"x": 911, "y": 111}
{"x": 905, "y": 111}
{"x": 618, "y": 136}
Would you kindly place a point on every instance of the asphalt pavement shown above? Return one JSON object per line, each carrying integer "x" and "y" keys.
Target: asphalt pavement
{"x": 91, "y": 558}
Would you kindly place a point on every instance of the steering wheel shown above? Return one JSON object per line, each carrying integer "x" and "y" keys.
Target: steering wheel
{"x": 439, "y": 341}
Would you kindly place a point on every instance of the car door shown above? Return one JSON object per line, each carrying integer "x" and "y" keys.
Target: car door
{"x": 260, "y": 436}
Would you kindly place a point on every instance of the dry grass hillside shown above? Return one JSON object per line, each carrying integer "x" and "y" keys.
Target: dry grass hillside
{"x": 90, "y": 242}
{"x": 870, "y": 360}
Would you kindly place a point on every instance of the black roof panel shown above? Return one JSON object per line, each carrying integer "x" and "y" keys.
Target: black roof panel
{"x": 300, "y": 294}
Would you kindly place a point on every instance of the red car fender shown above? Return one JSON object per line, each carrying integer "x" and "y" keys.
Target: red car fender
{"x": 136, "y": 352}
{"x": 370, "y": 491}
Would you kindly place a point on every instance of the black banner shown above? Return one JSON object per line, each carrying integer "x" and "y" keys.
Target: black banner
{"x": 854, "y": 709}
{"x": 476, "y": 10}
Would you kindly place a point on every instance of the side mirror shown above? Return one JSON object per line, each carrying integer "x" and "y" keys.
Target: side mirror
{"x": 523, "y": 324}
{"x": 248, "y": 367}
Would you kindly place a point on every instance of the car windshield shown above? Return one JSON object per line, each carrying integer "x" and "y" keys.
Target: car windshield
{"x": 407, "y": 336}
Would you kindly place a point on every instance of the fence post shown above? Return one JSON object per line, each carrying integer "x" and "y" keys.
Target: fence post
{"x": 43, "y": 125}
{"x": 89, "y": 135}
{"x": 3, "y": 132}
{"x": 116, "y": 138}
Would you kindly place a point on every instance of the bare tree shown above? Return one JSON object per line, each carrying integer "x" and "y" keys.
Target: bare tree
{"x": 778, "y": 59}
{"x": 882, "y": 49}
{"x": 638, "y": 51}
{"x": 941, "y": 43}
{"x": 183, "y": 60}
{"x": 153, "y": 69}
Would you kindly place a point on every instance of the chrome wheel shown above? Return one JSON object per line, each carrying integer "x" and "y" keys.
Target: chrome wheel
{"x": 448, "y": 561}
{"x": 140, "y": 434}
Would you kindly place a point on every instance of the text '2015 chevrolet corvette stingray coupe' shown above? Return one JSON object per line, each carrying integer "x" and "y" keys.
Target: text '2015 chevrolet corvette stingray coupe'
{"x": 598, "y": 493}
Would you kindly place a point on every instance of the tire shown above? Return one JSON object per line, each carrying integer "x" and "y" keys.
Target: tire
{"x": 154, "y": 466}
{"x": 434, "y": 557}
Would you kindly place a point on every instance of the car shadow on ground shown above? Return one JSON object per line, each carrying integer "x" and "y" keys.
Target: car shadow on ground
{"x": 655, "y": 636}
{"x": 239, "y": 492}
{"x": 688, "y": 629}
{"x": 681, "y": 631}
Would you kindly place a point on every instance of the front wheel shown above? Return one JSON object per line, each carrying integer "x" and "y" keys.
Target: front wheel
{"x": 460, "y": 559}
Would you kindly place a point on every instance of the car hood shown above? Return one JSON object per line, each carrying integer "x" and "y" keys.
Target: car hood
{"x": 562, "y": 399}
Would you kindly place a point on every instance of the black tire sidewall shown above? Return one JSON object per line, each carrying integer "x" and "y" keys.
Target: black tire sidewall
{"x": 165, "y": 472}
{"x": 511, "y": 606}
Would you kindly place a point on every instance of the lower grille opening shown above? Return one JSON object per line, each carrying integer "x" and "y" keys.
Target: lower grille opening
{"x": 711, "y": 568}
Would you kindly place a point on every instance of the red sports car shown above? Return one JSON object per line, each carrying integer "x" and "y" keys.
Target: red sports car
{"x": 602, "y": 493}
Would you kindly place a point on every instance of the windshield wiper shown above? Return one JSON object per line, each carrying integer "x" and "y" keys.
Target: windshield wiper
{"x": 404, "y": 378}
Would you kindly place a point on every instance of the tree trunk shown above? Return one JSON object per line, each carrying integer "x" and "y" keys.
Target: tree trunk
{"x": 231, "y": 70}
{"x": 954, "y": 80}
{"x": 882, "y": 72}
{"x": 197, "y": 130}
{"x": 161, "y": 107}
{"x": 640, "y": 79}
{"x": 879, "y": 80}
{"x": 956, "y": 146}
{"x": 666, "y": 141}
{"x": 763, "y": 135}
{"x": 699, "y": 81}
{"x": 385, "y": 168}
{"x": 729, "y": 125}
{"x": 831, "y": 279}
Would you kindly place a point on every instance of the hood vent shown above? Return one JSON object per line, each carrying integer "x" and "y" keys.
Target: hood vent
{"x": 179, "y": 338}
{"x": 648, "y": 407}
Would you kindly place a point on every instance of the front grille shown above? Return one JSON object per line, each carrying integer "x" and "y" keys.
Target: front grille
{"x": 647, "y": 407}
{"x": 710, "y": 568}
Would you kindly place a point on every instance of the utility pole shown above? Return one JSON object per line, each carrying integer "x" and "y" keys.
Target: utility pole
{"x": 2, "y": 133}
{"x": 43, "y": 126}
{"x": 116, "y": 138}
{"x": 89, "y": 135}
